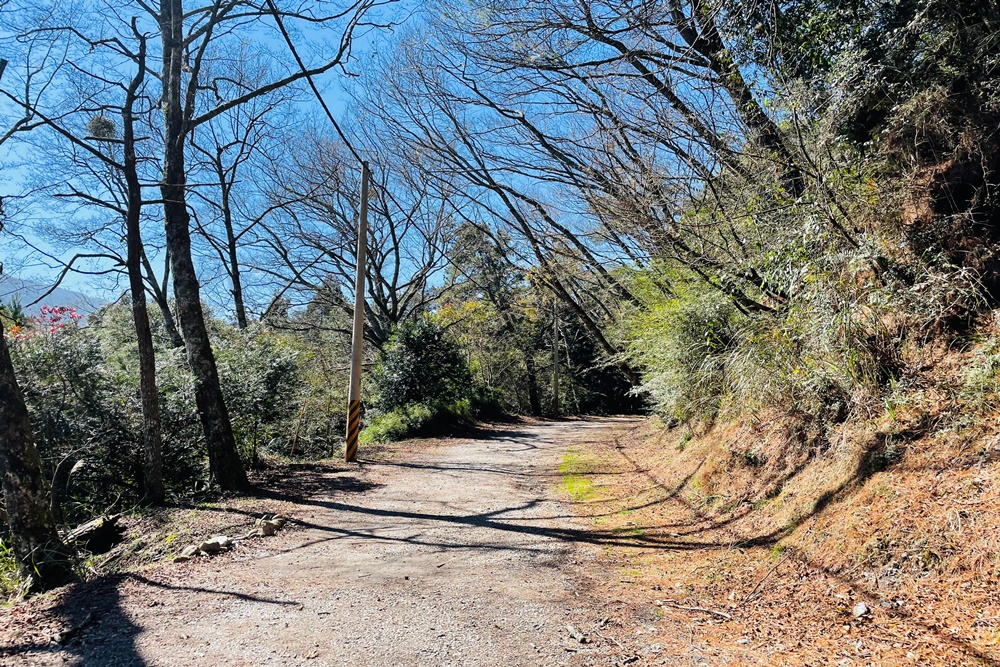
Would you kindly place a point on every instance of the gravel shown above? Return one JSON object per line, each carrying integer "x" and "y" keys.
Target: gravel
{"x": 455, "y": 557}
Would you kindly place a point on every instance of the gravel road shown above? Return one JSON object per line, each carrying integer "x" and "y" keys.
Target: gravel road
{"x": 456, "y": 555}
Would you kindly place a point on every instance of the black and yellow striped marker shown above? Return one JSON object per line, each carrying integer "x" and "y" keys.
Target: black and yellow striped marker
{"x": 353, "y": 429}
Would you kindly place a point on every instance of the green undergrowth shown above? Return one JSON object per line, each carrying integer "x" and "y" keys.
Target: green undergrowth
{"x": 416, "y": 420}
{"x": 9, "y": 580}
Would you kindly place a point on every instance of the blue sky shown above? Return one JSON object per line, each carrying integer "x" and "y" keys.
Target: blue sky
{"x": 15, "y": 160}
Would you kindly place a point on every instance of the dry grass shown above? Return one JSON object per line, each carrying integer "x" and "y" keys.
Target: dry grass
{"x": 900, "y": 512}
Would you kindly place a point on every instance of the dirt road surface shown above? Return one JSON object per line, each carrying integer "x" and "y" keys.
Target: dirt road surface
{"x": 456, "y": 555}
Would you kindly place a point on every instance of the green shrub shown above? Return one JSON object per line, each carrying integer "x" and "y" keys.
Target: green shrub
{"x": 421, "y": 364}
{"x": 12, "y": 313}
{"x": 485, "y": 404}
{"x": 423, "y": 386}
{"x": 399, "y": 423}
{"x": 982, "y": 378}
{"x": 82, "y": 389}
{"x": 84, "y": 425}
{"x": 700, "y": 354}
{"x": 681, "y": 344}
{"x": 420, "y": 419}
{"x": 262, "y": 385}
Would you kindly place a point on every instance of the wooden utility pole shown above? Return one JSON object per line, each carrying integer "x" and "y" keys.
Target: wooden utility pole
{"x": 555, "y": 359}
{"x": 357, "y": 338}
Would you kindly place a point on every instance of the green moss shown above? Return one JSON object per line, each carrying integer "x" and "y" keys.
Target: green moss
{"x": 572, "y": 462}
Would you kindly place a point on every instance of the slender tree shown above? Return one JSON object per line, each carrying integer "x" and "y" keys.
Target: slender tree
{"x": 152, "y": 437}
{"x": 187, "y": 37}
{"x": 313, "y": 234}
{"x": 97, "y": 155}
{"x": 232, "y": 151}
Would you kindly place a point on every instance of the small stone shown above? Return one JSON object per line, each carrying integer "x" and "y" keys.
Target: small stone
{"x": 576, "y": 634}
{"x": 860, "y": 609}
{"x": 268, "y": 528}
{"x": 742, "y": 641}
{"x": 187, "y": 553}
{"x": 216, "y": 544}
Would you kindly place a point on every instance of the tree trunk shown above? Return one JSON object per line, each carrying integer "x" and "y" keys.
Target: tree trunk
{"x": 152, "y": 439}
{"x": 42, "y": 558}
{"x": 702, "y": 33}
{"x": 160, "y": 297}
{"x": 224, "y": 461}
{"x": 556, "y": 406}
{"x": 234, "y": 261}
{"x": 533, "y": 400}
{"x": 169, "y": 323}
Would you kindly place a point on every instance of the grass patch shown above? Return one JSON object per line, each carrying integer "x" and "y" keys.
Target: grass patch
{"x": 579, "y": 487}
{"x": 683, "y": 441}
{"x": 576, "y": 482}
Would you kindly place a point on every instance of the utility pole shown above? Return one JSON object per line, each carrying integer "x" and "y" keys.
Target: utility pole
{"x": 555, "y": 358}
{"x": 358, "y": 335}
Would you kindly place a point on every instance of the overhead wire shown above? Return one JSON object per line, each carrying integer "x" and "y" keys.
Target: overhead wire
{"x": 309, "y": 79}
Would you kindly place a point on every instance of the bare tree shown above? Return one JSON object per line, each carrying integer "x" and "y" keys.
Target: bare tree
{"x": 313, "y": 234}
{"x": 188, "y": 37}
{"x": 95, "y": 149}
{"x": 152, "y": 436}
{"x": 231, "y": 151}
{"x": 419, "y": 111}
{"x": 601, "y": 135}
{"x": 190, "y": 40}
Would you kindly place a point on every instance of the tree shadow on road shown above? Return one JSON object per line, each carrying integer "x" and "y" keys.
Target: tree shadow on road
{"x": 308, "y": 480}
{"x": 91, "y": 628}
